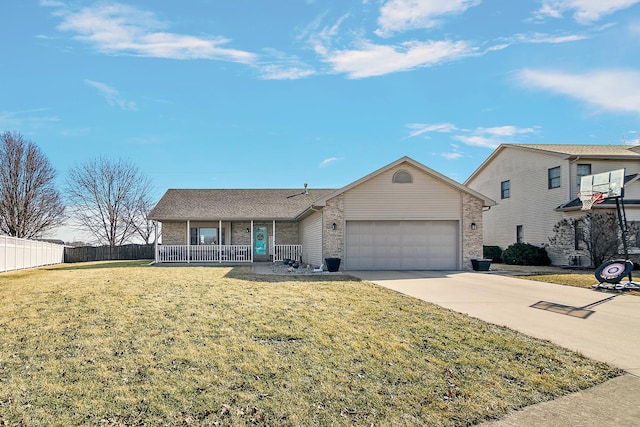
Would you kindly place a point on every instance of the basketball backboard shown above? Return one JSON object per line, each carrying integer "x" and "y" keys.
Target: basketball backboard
{"x": 598, "y": 187}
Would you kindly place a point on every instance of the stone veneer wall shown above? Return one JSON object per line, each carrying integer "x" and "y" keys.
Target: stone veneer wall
{"x": 471, "y": 239}
{"x": 333, "y": 240}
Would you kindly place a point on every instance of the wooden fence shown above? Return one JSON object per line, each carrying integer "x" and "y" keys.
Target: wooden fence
{"x": 107, "y": 253}
{"x": 17, "y": 254}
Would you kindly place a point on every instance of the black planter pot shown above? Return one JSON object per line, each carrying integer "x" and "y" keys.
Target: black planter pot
{"x": 481, "y": 264}
{"x": 333, "y": 264}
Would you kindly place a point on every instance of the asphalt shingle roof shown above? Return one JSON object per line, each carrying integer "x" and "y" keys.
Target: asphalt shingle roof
{"x": 586, "y": 150}
{"x": 240, "y": 204}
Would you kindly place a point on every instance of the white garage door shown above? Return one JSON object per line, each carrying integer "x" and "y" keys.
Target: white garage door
{"x": 401, "y": 245}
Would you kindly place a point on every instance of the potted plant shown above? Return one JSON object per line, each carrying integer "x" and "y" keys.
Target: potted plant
{"x": 481, "y": 264}
{"x": 333, "y": 264}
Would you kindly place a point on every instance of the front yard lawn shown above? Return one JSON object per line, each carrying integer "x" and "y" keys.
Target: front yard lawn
{"x": 121, "y": 343}
{"x": 580, "y": 280}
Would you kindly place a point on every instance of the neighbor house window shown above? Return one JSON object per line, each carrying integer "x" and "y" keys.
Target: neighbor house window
{"x": 584, "y": 169}
{"x": 519, "y": 234}
{"x": 505, "y": 189}
{"x": 554, "y": 177}
{"x": 402, "y": 177}
{"x": 205, "y": 236}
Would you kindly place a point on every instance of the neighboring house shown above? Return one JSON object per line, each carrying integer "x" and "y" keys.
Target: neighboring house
{"x": 536, "y": 186}
{"x": 402, "y": 216}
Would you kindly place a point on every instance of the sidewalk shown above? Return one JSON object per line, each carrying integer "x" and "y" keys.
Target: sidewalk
{"x": 613, "y": 403}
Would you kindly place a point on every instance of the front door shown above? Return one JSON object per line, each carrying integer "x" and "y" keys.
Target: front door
{"x": 260, "y": 241}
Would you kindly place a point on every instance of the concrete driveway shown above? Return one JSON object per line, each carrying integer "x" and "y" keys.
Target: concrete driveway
{"x": 602, "y": 326}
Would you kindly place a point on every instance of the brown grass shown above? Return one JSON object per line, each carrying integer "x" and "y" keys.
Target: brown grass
{"x": 125, "y": 344}
{"x": 580, "y": 280}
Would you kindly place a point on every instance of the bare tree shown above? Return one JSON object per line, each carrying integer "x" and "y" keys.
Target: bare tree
{"x": 595, "y": 232}
{"x": 144, "y": 227}
{"x": 30, "y": 205}
{"x": 103, "y": 196}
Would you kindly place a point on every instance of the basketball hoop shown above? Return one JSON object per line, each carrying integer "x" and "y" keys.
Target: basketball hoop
{"x": 590, "y": 198}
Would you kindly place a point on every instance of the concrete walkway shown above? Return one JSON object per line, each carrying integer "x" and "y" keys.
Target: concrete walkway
{"x": 602, "y": 326}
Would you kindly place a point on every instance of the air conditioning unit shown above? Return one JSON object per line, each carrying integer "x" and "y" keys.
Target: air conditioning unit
{"x": 575, "y": 260}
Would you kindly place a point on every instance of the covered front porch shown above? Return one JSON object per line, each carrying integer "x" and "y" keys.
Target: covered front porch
{"x": 227, "y": 242}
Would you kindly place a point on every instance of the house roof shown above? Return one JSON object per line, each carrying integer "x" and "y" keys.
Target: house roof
{"x": 268, "y": 204}
{"x": 605, "y": 151}
{"x": 567, "y": 151}
{"x": 238, "y": 204}
{"x": 486, "y": 201}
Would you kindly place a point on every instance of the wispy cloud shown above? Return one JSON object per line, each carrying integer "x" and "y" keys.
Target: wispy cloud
{"x": 112, "y": 96}
{"x": 29, "y": 119}
{"x": 370, "y": 59}
{"x": 454, "y": 154}
{"x": 280, "y": 66}
{"x": 612, "y": 90}
{"x": 503, "y": 131}
{"x": 120, "y": 29}
{"x": 488, "y": 137}
{"x": 327, "y": 162}
{"x": 548, "y": 38}
{"x": 402, "y": 15}
{"x": 584, "y": 11}
{"x": 320, "y": 37}
{"x": 478, "y": 140}
{"x": 281, "y": 72}
{"x": 420, "y": 128}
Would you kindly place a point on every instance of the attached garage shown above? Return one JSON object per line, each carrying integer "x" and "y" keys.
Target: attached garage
{"x": 402, "y": 245}
{"x": 404, "y": 216}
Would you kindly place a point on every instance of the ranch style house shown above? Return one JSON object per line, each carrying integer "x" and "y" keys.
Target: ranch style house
{"x": 403, "y": 216}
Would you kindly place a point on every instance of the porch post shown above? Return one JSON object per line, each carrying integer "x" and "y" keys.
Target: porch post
{"x": 188, "y": 242}
{"x": 251, "y": 240}
{"x": 273, "y": 249}
{"x": 220, "y": 240}
{"x": 155, "y": 240}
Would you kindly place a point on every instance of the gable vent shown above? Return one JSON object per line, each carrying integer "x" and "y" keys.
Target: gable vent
{"x": 402, "y": 177}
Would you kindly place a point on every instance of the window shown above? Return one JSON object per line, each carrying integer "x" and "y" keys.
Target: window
{"x": 505, "y": 189}
{"x": 584, "y": 169}
{"x": 402, "y": 177}
{"x": 554, "y": 177}
{"x": 519, "y": 234}
{"x": 205, "y": 236}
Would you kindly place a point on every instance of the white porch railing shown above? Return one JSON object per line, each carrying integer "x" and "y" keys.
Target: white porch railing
{"x": 282, "y": 252}
{"x": 17, "y": 254}
{"x": 204, "y": 253}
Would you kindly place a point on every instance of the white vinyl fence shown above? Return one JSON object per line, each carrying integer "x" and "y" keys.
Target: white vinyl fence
{"x": 17, "y": 254}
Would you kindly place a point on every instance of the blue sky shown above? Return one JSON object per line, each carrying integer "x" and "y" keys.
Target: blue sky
{"x": 253, "y": 94}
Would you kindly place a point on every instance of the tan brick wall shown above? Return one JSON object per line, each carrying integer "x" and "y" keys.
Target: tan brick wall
{"x": 174, "y": 233}
{"x": 471, "y": 239}
{"x": 287, "y": 233}
{"x": 333, "y": 240}
{"x": 239, "y": 235}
